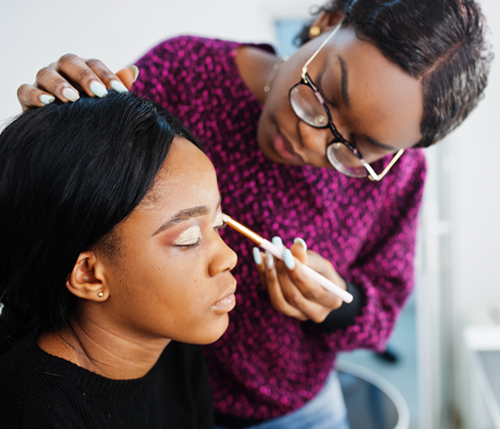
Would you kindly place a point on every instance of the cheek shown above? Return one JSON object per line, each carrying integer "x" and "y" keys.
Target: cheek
{"x": 172, "y": 275}
{"x": 168, "y": 294}
{"x": 173, "y": 283}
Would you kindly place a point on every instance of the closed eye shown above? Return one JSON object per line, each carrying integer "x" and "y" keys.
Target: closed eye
{"x": 189, "y": 238}
{"x": 189, "y": 245}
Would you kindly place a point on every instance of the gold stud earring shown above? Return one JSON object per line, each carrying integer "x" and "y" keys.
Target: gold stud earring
{"x": 100, "y": 294}
{"x": 315, "y": 31}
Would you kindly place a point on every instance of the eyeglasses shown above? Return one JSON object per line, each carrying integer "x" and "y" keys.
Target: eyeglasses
{"x": 309, "y": 105}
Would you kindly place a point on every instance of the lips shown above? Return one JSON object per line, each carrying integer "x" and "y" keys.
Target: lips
{"x": 283, "y": 148}
{"x": 226, "y": 304}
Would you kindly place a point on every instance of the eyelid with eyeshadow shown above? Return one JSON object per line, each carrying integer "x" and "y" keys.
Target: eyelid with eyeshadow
{"x": 189, "y": 237}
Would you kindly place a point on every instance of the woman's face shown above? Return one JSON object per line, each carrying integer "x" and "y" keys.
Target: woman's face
{"x": 171, "y": 277}
{"x": 374, "y": 104}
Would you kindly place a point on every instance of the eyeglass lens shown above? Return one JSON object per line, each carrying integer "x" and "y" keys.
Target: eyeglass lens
{"x": 344, "y": 160}
{"x": 309, "y": 109}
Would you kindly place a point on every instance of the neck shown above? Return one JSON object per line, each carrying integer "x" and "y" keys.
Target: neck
{"x": 103, "y": 350}
{"x": 255, "y": 66}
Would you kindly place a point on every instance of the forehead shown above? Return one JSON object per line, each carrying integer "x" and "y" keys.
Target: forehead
{"x": 187, "y": 179}
{"x": 383, "y": 96}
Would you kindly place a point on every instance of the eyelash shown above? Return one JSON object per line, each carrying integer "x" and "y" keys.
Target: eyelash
{"x": 221, "y": 226}
{"x": 187, "y": 246}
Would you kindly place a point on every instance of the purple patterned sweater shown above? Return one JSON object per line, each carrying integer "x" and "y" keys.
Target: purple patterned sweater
{"x": 268, "y": 364}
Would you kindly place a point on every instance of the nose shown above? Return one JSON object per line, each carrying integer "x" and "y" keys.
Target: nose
{"x": 315, "y": 139}
{"x": 224, "y": 259}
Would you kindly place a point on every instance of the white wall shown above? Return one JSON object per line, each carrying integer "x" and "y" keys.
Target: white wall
{"x": 475, "y": 203}
{"x": 34, "y": 33}
{"x": 476, "y": 193}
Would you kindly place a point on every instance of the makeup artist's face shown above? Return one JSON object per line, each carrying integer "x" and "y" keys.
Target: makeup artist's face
{"x": 172, "y": 279}
{"x": 374, "y": 104}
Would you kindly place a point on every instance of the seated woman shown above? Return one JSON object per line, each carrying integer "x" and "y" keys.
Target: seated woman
{"x": 111, "y": 259}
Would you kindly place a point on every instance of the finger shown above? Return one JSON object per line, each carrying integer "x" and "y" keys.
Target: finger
{"x": 325, "y": 268}
{"x": 50, "y": 80}
{"x": 128, "y": 76}
{"x": 261, "y": 266}
{"x": 78, "y": 72}
{"x": 301, "y": 292}
{"x": 30, "y": 96}
{"x": 299, "y": 250}
{"x": 107, "y": 77}
{"x": 275, "y": 293}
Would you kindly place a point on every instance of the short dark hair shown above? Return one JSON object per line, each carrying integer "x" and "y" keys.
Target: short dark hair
{"x": 69, "y": 173}
{"x": 442, "y": 42}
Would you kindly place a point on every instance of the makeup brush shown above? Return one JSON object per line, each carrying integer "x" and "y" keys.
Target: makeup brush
{"x": 278, "y": 253}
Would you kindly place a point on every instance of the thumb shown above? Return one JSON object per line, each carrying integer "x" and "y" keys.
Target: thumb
{"x": 299, "y": 250}
{"x": 128, "y": 75}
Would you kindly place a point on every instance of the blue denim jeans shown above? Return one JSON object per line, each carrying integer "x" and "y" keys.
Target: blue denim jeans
{"x": 326, "y": 411}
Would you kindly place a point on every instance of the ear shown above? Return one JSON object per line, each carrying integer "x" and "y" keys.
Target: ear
{"x": 325, "y": 21}
{"x": 87, "y": 280}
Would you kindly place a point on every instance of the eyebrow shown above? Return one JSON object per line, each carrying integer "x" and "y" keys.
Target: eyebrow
{"x": 344, "y": 80}
{"x": 184, "y": 215}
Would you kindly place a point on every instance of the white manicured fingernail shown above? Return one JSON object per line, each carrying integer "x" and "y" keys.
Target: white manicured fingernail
{"x": 118, "y": 86}
{"x": 70, "y": 94}
{"x": 98, "y": 89}
{"x": 257, "y": 257}
{"x": 47, "y": 99}
{"x": 269, "y": 260}
{"x": 135, "y": 69}
{"x": 301, "y": 242}
{"x": 278, "y": 242}
{"x": 288, "y": 259}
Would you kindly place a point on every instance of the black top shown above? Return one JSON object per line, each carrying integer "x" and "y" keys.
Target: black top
{"x": 38, "y": 390}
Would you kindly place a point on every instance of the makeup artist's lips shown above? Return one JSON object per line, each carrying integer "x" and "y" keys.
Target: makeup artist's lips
{"x": 226, "y": 304}
{"x": 283, "y": 147}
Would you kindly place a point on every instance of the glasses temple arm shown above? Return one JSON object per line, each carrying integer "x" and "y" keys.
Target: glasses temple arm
{"x": 306, "y": 65}
{"x": 376, "y": 177}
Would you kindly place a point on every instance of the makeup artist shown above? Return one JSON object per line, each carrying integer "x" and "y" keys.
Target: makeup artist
{"x": 322, "y": 150}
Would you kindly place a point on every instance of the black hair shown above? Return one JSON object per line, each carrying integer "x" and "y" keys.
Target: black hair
{"x": 69, "y": 173}
{"x": 442, "y": 42}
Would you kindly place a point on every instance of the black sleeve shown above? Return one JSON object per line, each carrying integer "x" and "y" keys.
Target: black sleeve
{"x": 343, "y": 317}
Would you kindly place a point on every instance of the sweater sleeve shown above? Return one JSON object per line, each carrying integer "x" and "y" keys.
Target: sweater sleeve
{"x": 382, "y": 276}
{"x": 346, "y": 314}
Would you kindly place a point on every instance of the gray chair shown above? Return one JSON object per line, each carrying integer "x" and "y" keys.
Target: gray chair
{"x": 372, "y": 402}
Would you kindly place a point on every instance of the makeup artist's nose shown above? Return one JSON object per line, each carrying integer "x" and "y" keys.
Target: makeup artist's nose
{"x": 315, "y": 139}
{"x": 224, "y": 259}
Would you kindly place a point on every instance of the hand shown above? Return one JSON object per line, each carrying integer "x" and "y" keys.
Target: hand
{"x": 291, "y": 291}
{"x": 68, "y": 76}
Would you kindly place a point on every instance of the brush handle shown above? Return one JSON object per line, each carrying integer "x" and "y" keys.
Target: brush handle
{"x": 323, "y": 281}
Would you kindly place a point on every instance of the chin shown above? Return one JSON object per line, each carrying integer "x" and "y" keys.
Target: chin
{"x": 209, "y": 333}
